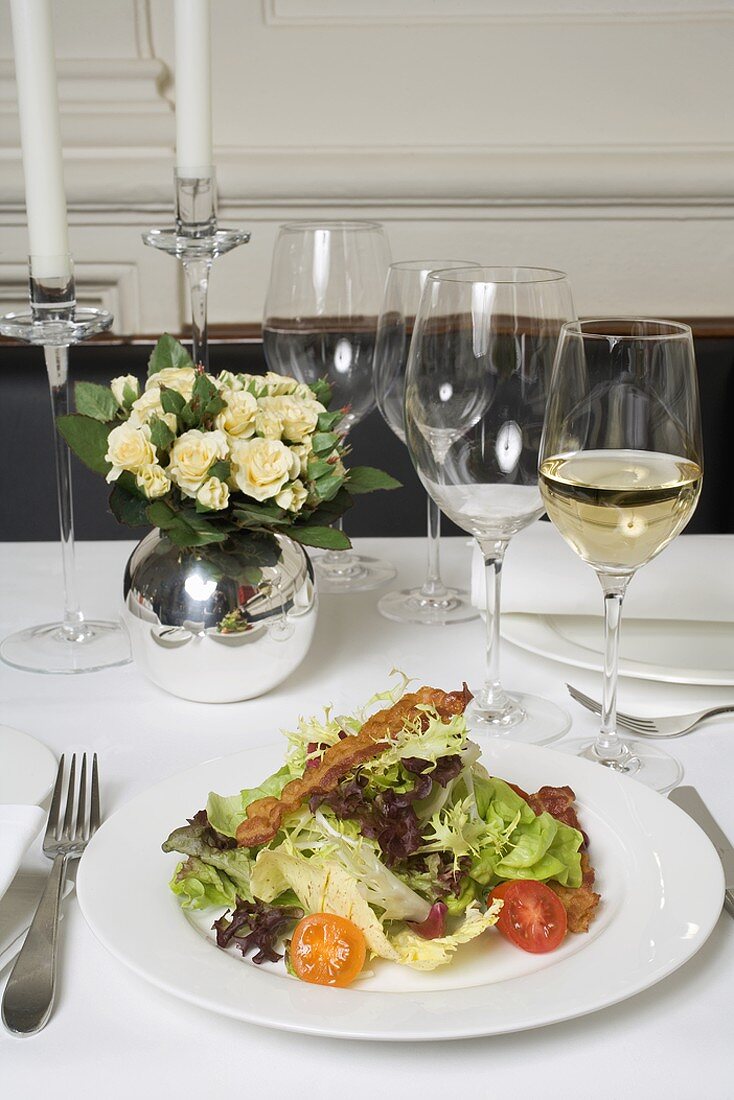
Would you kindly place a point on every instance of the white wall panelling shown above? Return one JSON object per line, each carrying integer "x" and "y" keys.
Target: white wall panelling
{"x": 593, "y": 135}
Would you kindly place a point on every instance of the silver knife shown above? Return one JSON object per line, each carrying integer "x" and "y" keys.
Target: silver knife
{"x": 690, "y": 800}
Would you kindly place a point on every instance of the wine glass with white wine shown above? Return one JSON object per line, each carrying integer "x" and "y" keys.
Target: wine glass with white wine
{"x": 621, "y": 465}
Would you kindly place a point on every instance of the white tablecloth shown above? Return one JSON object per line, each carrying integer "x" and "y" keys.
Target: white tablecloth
{"x": 112, "y": 1035}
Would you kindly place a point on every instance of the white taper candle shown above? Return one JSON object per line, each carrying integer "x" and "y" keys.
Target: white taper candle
{"x": 40, "y": 135}
{"x": 193, "y": 88}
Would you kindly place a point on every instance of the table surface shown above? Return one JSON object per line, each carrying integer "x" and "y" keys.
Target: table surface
{"x": 671, "y": 1040}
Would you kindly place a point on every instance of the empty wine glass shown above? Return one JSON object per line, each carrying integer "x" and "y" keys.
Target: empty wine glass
{"x": 475, "y": 391}
{"x": 320, "y": 321}
{"x": 432, "y": 602}
{"x": 621, "y": 466}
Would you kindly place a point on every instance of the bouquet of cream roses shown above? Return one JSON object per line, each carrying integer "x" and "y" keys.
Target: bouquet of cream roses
{"x": 211, "y": 460}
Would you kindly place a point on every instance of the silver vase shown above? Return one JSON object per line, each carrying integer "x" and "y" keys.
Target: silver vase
{"x": 215, "y": 625}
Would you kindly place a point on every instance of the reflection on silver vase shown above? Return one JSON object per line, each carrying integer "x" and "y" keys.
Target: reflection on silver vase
{"x": 214, "y": 633}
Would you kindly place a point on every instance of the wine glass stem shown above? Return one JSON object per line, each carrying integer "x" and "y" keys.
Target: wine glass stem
{"x": 57, "y": 367}
{"x": 493, "y": 693}
{"x": 608, "y": 744}
{"x": 340, "y": 559}
{"x": 197, "y": 275}
{"x": 433, "y": 586}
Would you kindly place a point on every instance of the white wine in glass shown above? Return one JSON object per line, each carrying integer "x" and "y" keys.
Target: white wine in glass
{"x": 620, "y": 472}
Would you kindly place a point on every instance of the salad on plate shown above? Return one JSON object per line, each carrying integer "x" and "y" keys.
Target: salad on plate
{"x": 383, "y": 836}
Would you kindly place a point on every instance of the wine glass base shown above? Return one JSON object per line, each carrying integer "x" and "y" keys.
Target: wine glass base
{"x": 358, "y": 574}
{"x": 48, "y": 649}
{"x": 529, "y": 720}
{"x": 412, "y": 605}
{"x": 642, "y": 761}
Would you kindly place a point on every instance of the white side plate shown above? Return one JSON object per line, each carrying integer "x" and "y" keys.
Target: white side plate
{"x": 645, "y": 849}
{"x": 672, "y": 651}
{"x": 27, "y": 768}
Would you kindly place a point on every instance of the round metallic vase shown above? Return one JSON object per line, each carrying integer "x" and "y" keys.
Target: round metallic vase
{"x": 215, "y": 638}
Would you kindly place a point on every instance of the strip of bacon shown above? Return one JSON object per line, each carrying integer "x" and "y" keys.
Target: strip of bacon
{"x": 579, "y": 902}
{"x": 265, "y": 815}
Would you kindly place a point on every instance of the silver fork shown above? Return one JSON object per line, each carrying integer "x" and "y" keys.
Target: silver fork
{"x": 29, "y": 994}
{"x": 673, "y": 726}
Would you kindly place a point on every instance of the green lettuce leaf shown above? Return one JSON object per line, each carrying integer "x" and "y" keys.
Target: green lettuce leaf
{"x": 532, "y": 847}
{"x": 199, "y": 886}
{"x": 190, "y": 840}
{"x": 226, "y": 812}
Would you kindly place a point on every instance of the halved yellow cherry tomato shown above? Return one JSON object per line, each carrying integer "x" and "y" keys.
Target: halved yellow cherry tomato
{"x": 327, "y": 950}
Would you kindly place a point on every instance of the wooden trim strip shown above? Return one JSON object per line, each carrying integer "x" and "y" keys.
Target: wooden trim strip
{"x": 704, "y": 328}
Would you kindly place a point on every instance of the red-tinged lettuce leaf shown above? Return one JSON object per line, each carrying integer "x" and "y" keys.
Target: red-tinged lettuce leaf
{"x": 442, "y": 772}
{"x": 256, "y": 925}
{"x": 434, "y": 925}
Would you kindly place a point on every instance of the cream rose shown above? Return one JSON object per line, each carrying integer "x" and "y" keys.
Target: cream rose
{"x": 276, "y": 385}
{"x": 261, "y": 467}
{"x": 213, "y": 494}
{"x": 292, "y": 497}
{"x": 296, "y": 418}
{"x": 238, "y": 418}
{"x": 180, "y": 379}
{"x": 128, "y": 448}
{"x": 191, "y": 456}
{"x": 225, "y": 380}
{"x": 148, "y": 405}
{"x": 303, "y": 452}
{"x": 119, "y": 385}
{"x": 268, "y": 422}
{"x": 153, "y": 481}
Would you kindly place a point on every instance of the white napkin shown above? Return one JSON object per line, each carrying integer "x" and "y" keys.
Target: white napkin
{"x": 19, "y": 825}
{"x": 692, "y": 579}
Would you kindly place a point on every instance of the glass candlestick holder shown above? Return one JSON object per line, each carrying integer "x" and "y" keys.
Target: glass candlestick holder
{"x": 55, "y": 323}
{"x": 196, "y": 241}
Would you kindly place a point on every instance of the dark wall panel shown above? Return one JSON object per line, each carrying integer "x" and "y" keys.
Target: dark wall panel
{"x": 27, "y": 486}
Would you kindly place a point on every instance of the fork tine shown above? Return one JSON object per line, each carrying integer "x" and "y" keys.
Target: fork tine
{"x": 80, "y": 832}
{"x": 66, "y": 829}
{"x": 584, "y": 700}
{"x": 94, "y": 812}
{"x": 53, "y": 814}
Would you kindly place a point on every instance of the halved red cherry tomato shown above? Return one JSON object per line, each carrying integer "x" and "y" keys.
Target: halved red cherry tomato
{"x": 532, "y": 917}
{"x": 327, "y": 950}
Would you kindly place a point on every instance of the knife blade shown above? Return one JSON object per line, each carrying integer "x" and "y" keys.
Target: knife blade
{"x": 690, "y": 800}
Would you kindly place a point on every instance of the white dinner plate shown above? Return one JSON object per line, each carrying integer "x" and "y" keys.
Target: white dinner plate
{"x": 660, "y": 879}
{"x": 27, "y": 768}
{"x": 673, "y": 651}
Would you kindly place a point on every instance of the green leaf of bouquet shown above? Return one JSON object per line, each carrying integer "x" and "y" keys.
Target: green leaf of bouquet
{"x": 128, "y": 396}
{"x": 87, "y": 438}
{"x": 184, "y": 528}
{"x": 221, "y": 469}
{"x": 324, "y": 442}
{"x": 326, "y": 538}
{"x": 366, "y": 479}
{"x": 328, "y": 486}
{"x": 328, "y": 420}
{"x": 321, "y": 391}
{"x": 330, "y": 510}
{"x": 251, "y": 514}
{"x": 99, "y": 402}
{"x": 168, "y": 352}
{"x": 161, "y": 435}
{"x": 189, "y": 415}
{"x": 127, "y": 505}
{"x": 319, "y": 467}
{"x": 172, "y": 401}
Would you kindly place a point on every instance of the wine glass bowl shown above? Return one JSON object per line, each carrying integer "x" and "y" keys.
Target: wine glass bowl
{"x": 432, "y": 602}
{"x": 476, "y": 386}
{"x": 621, "y": 468}
{"x": 320, "y": 322}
